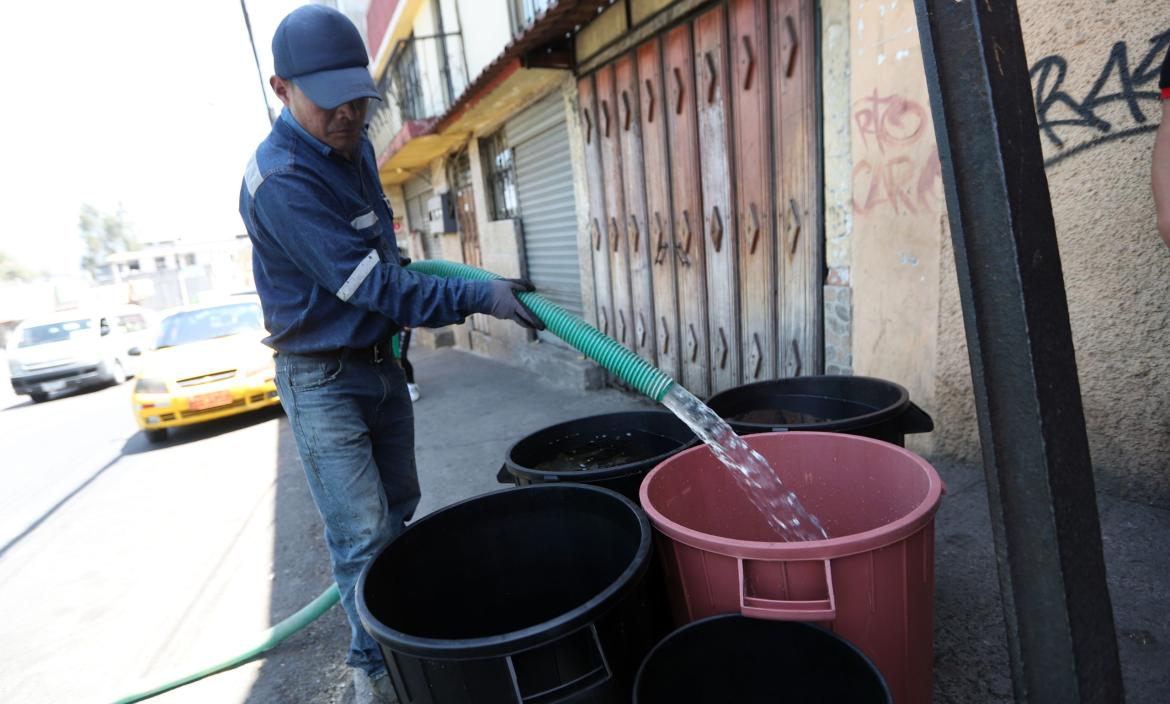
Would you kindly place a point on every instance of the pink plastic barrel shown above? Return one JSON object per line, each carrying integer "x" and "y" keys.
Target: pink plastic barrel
{"x": 871, "y": 582}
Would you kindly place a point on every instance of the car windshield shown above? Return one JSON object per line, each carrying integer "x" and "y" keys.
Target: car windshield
{"x": 209, "y": 323}
{"x": 53, "y": 332}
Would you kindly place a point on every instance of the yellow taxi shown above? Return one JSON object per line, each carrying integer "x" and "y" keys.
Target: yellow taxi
{"x": 207, "y": 363}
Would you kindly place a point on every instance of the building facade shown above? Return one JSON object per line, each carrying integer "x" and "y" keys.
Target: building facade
{"x": 750, "y": 189}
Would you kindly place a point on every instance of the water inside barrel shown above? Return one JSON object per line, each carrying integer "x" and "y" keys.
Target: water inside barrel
{"x": 801, "y": 411}
{"x": 582, "y": 452}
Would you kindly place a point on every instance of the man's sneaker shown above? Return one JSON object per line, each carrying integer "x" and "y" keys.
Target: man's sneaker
{"x": 413, "y": 389}
{"x": 372, "y": 691}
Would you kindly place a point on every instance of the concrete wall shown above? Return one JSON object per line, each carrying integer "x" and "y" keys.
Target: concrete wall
{"x": 580, "y": 194}
{"x": 837, "y": 156}
{"x": 898, "y": 216}
{"x": 1094, "y": 69}
{"x": 486, "y": 32}
{"x": 1116, "y": 269}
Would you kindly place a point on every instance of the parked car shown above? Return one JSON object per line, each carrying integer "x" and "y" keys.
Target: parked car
{"x": 208, "y": 362}
{"x": 76, "y": 349}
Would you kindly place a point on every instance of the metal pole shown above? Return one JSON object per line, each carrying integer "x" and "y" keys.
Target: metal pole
{"x": 256, "y": 57}
{"x": 1060, "y": 630}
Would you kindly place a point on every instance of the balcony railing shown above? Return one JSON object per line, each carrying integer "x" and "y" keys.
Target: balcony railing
{"x": 424, "y": 77}
{"x": 524, "y": 12}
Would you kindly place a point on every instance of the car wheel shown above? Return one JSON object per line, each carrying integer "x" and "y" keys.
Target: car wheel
{"x": 39, "y": 396}
{"x": 156, "y": 435}
{"x": 118, "y": 374}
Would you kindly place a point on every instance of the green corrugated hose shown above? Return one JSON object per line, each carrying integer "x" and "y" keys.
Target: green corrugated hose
{"x": 585, "y": 338}
{"x": 267, "y": 640}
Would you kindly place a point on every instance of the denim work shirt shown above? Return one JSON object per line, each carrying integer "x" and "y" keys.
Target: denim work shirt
{"x": 324, "y": 256}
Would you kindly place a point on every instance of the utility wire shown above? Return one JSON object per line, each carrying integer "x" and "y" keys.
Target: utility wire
{"x": 256, "y": 56}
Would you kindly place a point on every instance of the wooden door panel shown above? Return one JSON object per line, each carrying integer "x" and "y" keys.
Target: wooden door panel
{"x": 719, "y": 224}
{"x": 637, "y": 233}
{"x": 687, "y": 201}
{"x": 659, "y": 228}
{"x": 614, "y": 225}
{"x": 797, "y": 205}
{"x": 596, "y": 230}
{"x": 748, "y": 41}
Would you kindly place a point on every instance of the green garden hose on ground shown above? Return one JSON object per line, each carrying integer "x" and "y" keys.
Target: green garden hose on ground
{"x": 267, "y": 640}
{"x": 585, "y": 338}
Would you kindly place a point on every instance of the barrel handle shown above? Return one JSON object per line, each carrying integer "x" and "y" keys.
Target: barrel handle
{"x": 571, "y": 689}
{"x": 504, "y": 476}
{"x": 915, "y": 420}
{"x": 785, "y": 609}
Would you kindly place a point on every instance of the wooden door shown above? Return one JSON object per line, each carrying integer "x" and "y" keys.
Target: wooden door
{"x": 748, "y": 41}
{"x": 719, "y": 212}
{"x": 687, "y": 202}
{"x": 797, "y": 178}
{"x": 615, "y": 206}
{"x": 469, "y": 243}
{"x": 597, "y": 245}
{"x": 658, "y": 217}
{"x": 637, "y": 233}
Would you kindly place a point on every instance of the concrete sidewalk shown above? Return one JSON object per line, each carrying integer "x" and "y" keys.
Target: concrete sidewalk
{"x": 472, "y": 409}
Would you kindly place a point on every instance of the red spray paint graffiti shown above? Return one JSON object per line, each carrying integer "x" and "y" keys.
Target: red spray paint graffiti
{"x": 892, "y": 177}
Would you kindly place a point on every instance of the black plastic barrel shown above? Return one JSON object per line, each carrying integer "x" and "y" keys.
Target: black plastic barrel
{"x": 534, "y": 594}
{"x": 613, "y": 450}
{"x": 856, "y": 405}
{"x": 730, "y": 658}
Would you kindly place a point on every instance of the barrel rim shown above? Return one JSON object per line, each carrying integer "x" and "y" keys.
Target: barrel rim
{"x": 614, "y": 472}
{"x": 525, "y": 638}
{"x": 864, "y": 420}
{"x": 842, "y": 546}
{"x": 685, "y": 629}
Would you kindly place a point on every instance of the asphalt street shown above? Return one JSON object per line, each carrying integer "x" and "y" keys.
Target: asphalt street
{"x": 122, "y": 562}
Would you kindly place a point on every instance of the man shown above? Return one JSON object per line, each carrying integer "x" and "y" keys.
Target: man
{"x": 1161, "y": 166}
{"x": 334, "y": 293}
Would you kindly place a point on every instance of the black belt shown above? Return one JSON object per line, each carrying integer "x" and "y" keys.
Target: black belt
{"x": 375, "y": 354}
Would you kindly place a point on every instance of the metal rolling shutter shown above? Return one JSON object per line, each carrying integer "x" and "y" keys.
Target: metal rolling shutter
{"x": 544, "y": 184}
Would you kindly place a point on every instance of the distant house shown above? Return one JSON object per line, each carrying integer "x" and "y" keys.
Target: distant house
{"x": 175, "y": 272}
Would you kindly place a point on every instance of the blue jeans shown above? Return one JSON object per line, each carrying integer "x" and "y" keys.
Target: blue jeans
{"x": 354, "y": 426}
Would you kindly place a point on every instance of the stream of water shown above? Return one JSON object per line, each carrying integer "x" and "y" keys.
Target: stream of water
{"x": 755, "y": 476}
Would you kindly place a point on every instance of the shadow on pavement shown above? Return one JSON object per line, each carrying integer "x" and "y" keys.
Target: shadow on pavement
{"x": 310, "y": 665}
{"x": 55, "y": 397}
{"x": 137, "y": 443}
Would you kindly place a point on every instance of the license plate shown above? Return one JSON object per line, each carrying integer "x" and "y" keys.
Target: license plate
{"x": 52, "y": 386}
{"x": 204, "y": 401}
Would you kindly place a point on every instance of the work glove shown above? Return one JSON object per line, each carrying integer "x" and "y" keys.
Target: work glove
{"x": 503, "y": 304}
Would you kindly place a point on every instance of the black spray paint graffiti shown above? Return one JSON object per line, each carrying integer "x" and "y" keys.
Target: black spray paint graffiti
{"x": 1073, "y": 125}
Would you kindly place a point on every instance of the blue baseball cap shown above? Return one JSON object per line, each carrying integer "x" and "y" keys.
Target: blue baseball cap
{"x": 322, "y": 52}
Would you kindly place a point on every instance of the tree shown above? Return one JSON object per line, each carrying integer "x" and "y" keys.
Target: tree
{"x": 104, "y": 234}
{"x": 11, "y": 270}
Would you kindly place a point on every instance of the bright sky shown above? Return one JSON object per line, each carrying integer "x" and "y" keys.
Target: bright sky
{"x": 152, "y": 104}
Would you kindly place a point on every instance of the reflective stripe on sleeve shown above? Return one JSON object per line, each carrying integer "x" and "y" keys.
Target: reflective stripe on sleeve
{"x": 359, "y": 275}
{"x": 252, "y": 175}
{"x": 363, "y": 221}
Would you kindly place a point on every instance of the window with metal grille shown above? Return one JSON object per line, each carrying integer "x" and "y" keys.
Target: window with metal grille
{"x": 499, "y": 172}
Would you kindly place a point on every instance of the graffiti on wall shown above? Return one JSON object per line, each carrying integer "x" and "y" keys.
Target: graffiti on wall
{"x": 1075, "y": 122}
{"x": 894, "y": 176}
